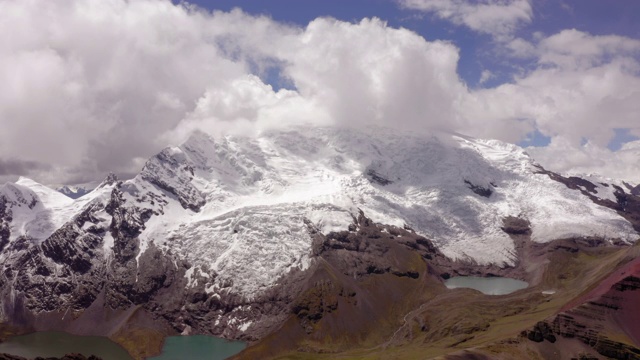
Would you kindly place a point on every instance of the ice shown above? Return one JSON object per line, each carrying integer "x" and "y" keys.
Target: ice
{"x": 241, "y": 207}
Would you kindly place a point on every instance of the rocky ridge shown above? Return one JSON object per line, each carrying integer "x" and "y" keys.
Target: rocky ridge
{"x": 231, "y": 237}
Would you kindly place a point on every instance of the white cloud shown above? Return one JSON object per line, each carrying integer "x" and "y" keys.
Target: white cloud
{"x": 247, "y": 106}
{"x": 369, "y": 73}
{"x": 499, "y": 18}
{"x": 485, "y": 76}
{"x": 584, "y": 87}
{"x": 520, "y": 48}
{"x": 88, "y": 85}
{"x": 577, "y": 104}
{"x": 575, "y": 50}
{"x": 345, "y": 74}
{"x": 563, "y": 156}
{"x": 96, "y": 86}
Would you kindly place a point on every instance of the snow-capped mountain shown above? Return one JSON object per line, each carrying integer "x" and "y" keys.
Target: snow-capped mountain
{"x": 236, "y": 193}
{"x": 78, "y": 190}
{"x": 227, "y": 220}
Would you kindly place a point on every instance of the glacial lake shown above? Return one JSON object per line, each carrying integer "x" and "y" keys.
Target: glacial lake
{"x": 198, "y": 347}
{"x": 488, "y": 285}
{"x": 57, "y": 344}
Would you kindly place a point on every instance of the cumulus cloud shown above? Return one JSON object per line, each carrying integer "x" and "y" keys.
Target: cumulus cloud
{"x": 498, "y": 18}
{"x": 90, "y": 85}
{"x": 369, "y": 73}
{"x": 344, "y": 74}
{"x": 561, "y": 155}
{"x": 583, "y": 88}
{"x": 247, "y": 106}
{"x": 575, "y": 50}
{"x": 577, "y": 104}
{"x": 97, "y": 86}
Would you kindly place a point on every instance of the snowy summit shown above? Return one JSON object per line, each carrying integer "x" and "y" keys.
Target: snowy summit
{"x": 239, "y": 208}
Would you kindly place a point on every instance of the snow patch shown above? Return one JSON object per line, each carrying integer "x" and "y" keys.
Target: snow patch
{"x": 245, "y": 326}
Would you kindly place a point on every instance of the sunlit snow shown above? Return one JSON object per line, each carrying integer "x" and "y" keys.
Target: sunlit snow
{"x": 259, "y": 192}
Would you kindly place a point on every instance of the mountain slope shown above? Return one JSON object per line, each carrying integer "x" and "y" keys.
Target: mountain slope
{"x": 230, "y": 189}
{"x": 222, "y": 236}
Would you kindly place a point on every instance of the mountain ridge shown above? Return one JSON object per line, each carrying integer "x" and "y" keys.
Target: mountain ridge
{"x": 218, "y": 235}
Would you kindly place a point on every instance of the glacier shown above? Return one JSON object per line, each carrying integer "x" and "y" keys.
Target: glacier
{"x": 239, "y": 208}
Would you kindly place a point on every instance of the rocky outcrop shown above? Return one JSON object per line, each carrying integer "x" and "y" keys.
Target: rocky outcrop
{"x": 479, "y": 190}
{"x": 321, "y": 299}
{"x": 72, "y": 247}
{"x": 516, "y": 226}
{"x": 364, "y": 248}
{"x": 5, "y": 222}
{"x": 541, "y": 332}
{"x": 591, "y": 322}
{"x": 172, "y": 172}
{"x": 376, "y": 178}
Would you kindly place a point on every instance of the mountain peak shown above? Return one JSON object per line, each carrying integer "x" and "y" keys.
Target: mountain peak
{"x": 25, "y": 181}
{"x": 109, "y": 180}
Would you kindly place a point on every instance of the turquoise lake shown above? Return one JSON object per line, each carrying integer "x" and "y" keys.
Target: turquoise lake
{"x": 488, "y": 286}
{"x": 198, "y": 347}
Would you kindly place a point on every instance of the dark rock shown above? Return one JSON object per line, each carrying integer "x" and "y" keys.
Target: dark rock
{"x": 630, "y": 283}
{"x": 479, "y": 190}
{"x": 541, "y": 332}
{"x": 374, "y": 177}
{"x": 317, "y": 301}
{"x": 411, "y": 274}
{"x": 166, "y": 165}
{"x": 67, "y": 246}
{"x": 516, "y": 226}
{"x": 6, "y": 216}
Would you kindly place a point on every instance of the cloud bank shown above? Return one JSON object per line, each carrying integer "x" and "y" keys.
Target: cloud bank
{"x": 97, "y": 86}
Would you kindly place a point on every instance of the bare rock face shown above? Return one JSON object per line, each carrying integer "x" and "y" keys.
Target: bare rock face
{"x": 479, "y": 190}
{"x": 541, "y": 332}
{"x": 169, "y": 165}
{"x": 612, "y": 305}
{"x": 367, "y": 247}
{"x": 5, "y": 222}
{"x": 377, "y": 178}
{"x": 65, "y": 271}
{"x": 516, "y": 226}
